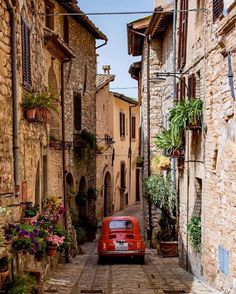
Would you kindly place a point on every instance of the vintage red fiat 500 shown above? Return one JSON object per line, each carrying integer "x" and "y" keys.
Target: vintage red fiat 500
{"x": 121, "y": 236}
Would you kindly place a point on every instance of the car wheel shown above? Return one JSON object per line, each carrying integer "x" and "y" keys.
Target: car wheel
{"x": 141, "y": 259}
{"x": 101, "y": 259}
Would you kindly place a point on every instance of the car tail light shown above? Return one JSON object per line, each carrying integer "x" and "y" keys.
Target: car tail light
{"x": 139, "y": 245}
{"x": 130, "y": 236}
{"x": 104, "y": 246}
{"x": 112, "y": 236}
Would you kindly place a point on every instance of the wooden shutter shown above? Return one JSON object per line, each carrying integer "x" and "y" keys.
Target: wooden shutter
{"x": 122, "y": 175}
{"x": 182, "y": 89}
{"x": 66, "y": 29}
{"x": 49, "y": 20}
{"x": 26, "y": 60}
{"x": 218, "y": 7}
{"x": 183, "y": 29}
{"x": 133, "y": 127}
{"x": 122, "y": 124}
{"x": 77, "y": 111}
{"x": 192, "y": 86}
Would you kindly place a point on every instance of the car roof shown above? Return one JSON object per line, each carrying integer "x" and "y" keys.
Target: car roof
{"x": 114, "y": 218}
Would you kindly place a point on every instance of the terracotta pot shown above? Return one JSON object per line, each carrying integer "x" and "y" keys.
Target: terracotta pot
{"x": 30, "y": 220}
{"x": 3, "y": 276}
{"x": 169, "y": 248}
{"x": 45, "y": 114}
{"x": 166, "y": 167}
{"x": 51, "y": 250}
{"x": 30, "y": 113}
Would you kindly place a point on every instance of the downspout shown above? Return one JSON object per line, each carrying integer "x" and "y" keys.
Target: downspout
{"x": 130, "y": 148}
{"x": 63, "y": 150}
{"x": 11, "y": 10}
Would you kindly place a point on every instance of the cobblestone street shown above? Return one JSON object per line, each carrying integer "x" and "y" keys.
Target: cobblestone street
{"x": 156, "y": 276}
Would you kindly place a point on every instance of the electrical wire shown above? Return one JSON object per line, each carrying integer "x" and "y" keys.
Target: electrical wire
{"x": 120, "y": 13}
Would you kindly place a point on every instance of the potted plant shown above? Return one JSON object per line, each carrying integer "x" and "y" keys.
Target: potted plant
{"x": 30, "y": 104}
{"x": 46, "y": 103}
{"x": 23, "y": 245}
{"x": 4, "y": 270}
{"x": 195, "y": 111}
{"x": 159, "y": 163}
{"x": 25, "y": 283}
{"x": 41, "y": 250}
{"x": 161, "y": 193}
{"x": 194, "y": 232}
{"x": 30, "y": 213}
{"x": 53, "y": 242}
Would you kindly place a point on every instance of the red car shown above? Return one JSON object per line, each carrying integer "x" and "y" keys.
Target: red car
{"x": 121, "y": 236}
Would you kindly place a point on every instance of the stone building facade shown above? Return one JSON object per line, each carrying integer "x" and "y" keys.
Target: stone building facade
{"x": 56, "y": 53}
{"x": 104, "y": 156}
{"x": 204, "y": 184}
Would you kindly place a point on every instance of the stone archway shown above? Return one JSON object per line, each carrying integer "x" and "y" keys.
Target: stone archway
{"x": 82, "y": 207}
{"x": 55, "y": 129}
{"x": 107, "y": 195}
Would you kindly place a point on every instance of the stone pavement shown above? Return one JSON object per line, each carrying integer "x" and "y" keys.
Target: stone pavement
{"x": 156, "y": 276}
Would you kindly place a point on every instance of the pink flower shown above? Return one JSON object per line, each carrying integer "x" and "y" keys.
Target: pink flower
{"x": 55, "y": 240}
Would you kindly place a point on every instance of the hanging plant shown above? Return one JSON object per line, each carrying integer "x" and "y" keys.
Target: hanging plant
{"x": 194, "y": 232}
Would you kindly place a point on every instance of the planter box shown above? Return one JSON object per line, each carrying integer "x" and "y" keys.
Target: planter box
{"x": 169, "y": 248}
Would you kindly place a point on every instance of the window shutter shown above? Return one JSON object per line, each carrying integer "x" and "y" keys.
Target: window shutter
{"x": 122, "y": 175}
{"x": 77, "y": 111}
{"x": 122, "y": 124}
{"x": 218, "y": 7}
{"x": 192, "y": 86}
{"x": 183, "y": 29}
{"x": 26, "y": 60}
{"x": 133, "y": 126}
{"x": 182, "y": 89}
{"x": 121, "y": 118}
{"x": 66, "y": 29}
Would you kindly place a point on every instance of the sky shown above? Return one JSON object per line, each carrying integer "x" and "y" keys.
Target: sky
{"x": 115, "y": 53}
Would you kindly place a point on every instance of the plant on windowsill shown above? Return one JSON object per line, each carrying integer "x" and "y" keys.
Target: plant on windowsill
{"x": 159, "y": 163}
{"x": 30, "y": 104}
{"x": 160, "y": 191}
{"x": 195, "y": 114}
{"x": 194, "y": 232}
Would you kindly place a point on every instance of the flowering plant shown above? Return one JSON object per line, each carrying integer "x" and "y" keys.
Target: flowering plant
{"x": 55, "y": 240}
{"x": 52, "y": 204}
{"x": 5, "y": 211}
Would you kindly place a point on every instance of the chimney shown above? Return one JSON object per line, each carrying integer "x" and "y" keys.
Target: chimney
{"x": 106, "y": 68}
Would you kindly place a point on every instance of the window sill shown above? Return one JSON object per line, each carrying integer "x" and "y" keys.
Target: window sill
{"x": 122, "y": 138}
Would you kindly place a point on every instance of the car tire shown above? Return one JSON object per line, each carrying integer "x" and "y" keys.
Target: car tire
{"x": 141, "y": 259}
{"x": 101, "y": 259}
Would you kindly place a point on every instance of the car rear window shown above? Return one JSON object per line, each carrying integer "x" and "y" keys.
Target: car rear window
{"x": 121, "y": 224}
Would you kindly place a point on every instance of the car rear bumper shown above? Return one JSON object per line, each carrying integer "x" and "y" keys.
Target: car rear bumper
{"x": 122, "y": 253}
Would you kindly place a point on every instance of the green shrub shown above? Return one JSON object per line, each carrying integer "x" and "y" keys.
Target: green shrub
{"x": 194, "y": 232}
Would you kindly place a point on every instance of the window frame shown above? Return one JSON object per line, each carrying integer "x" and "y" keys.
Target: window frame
{"x": 122, "y": 124}
{"x": 133, "y": 127}
{"x": 49, "y": 20}
{"x": 183, "y": 34}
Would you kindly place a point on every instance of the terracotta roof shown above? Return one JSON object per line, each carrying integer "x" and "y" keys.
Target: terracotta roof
{"x": 103, "y": 79}
{"x": 136, "y": 41}
{"x": 160, "y": 21}
{"x": 125, "y": 98}
{"x": 71, "y": 7}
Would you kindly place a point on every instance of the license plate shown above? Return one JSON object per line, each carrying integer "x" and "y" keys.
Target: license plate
{"x": 121, "y": 246}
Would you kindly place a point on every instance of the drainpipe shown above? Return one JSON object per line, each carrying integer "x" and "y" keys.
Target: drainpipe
{"x": 130, "y": 148}
{"x": 11, "y": 10}
{"x": 63, "y": 150}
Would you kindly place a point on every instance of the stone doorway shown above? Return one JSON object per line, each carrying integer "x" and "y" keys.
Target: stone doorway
{"x": 107, "y": 195}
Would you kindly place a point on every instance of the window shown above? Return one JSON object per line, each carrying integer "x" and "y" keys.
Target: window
{"x": 26, "y": 60}
{"x": 217, "y": 6}
{"x": 192, "y": 86}
{"x": 133, "y": 127}
{"x": 122, "y": 124}
{"x": 121, "y": 224}
{"x": 122, "y": 176}
{"x": 77, "y": 111}
{"x": 49, "y": 19}
{"x": 66, "y": 29}
{"x": 183, "y": 28}
{"x": 198, "y": 197}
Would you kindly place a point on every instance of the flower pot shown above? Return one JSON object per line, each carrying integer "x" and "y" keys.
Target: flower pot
{"x": 169, "y": 248}
{"x": 176, "y": 153}
{"x": 51, "y": 250}
{"x": 30, "y": 114}
{"x": 45, "y": 114}
{"x": 30, "y": 220}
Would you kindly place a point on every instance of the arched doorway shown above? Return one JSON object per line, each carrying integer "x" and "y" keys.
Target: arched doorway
{"x": 107, "y": 195}
{"x": 70, "y": 191}
{"x": 82, "y": 205}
